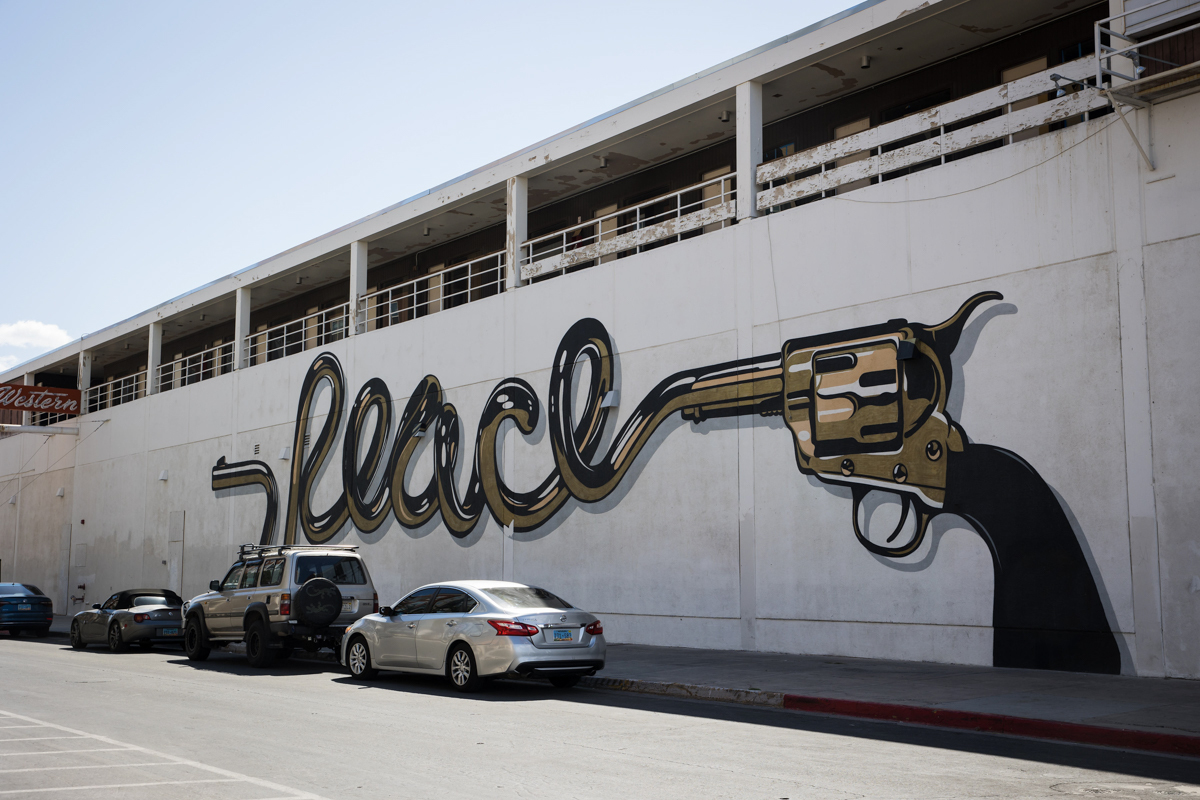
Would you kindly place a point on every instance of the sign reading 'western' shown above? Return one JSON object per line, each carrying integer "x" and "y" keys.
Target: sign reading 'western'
{"x": 18, "y": 397}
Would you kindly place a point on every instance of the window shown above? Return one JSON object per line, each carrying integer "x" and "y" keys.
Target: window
{"x": 342, "y": 570}
{"x": 111, "y": 603}
{"x": 33, "y": 589}
{"x": 232, "y": 579}
{"x": 250, "y": 576}
{"x": 272, "y": 572}
{"x": 527, "y": 597}
{"x": 452, "y": 601}
{"x": 415, "y": 603}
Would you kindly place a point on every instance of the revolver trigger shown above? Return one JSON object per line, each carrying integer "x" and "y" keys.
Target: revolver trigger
{"x": 907, "y": 503}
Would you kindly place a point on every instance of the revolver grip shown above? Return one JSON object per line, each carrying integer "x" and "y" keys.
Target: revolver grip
{"x": 1047, "y": 612}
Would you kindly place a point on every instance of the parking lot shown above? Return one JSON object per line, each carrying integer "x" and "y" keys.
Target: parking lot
{"x": 153, "y": 725}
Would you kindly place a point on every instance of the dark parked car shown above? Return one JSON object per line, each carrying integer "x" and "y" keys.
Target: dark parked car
{"x": 23, "y": 607}
{"x": 144, "y": 616}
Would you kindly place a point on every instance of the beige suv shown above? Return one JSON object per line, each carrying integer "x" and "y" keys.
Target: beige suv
{"x": 276, "y": 599}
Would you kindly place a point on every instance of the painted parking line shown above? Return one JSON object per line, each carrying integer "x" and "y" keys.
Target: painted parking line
{"x": 161, "y": 759}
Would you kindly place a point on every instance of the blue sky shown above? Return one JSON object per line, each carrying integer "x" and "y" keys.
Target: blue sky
{"x": 149, "y": 147}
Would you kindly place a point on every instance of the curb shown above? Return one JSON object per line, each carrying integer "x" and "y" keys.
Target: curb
{"x": 1070, "y": 732}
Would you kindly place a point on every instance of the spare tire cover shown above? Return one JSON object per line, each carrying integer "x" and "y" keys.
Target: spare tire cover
{"x": 318, "y": 602}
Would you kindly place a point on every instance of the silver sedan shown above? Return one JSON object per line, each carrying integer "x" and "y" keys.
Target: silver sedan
{"x": 144, "y": 616}
{"x": 472, "y": 630}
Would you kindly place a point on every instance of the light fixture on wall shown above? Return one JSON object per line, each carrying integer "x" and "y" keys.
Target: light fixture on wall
{"x": 418, "y": 434}
{"x": 299, "y": 280}
{"x": 724, "y": 116}
{"x": 285, "y": 454}
{"x": 865, "y": 63}
{"x": 425, "y": 231}
{"x": 162, "y": 476}
{"x": 12, "y": 501}
{"x": 611, "y": 399}
{"x": 603, "y": 162}
{"x": 61, "y": 492}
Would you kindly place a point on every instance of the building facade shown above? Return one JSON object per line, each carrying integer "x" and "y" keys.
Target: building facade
{"x": 876, "y": 341}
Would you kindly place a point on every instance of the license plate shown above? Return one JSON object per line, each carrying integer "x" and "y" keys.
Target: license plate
{"x": 24, "y": 607}
{"x": 347, "y": 604}
{"x": 562, "y": 636}
{"x": 170, "y": 631}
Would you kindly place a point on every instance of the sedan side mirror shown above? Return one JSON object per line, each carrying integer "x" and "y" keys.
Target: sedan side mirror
{"x": 95, "y": 605}
{"x": 214, "y": 586}
{"x": 387, "y": 611}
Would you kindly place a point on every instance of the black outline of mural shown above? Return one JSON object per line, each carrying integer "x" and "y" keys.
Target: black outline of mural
{"x": 867, "y": 411}
{"x": 250, "y": 473}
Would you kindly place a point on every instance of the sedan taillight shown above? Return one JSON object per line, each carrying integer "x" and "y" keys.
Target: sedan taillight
{"x": 506, "y": 628}
{"x": 285, "y": 604}
{"x": 595, "y": 629}
{"x": 140, "y": 617}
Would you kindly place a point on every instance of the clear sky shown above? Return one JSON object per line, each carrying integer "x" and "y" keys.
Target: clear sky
{"x": 149, "y": 147}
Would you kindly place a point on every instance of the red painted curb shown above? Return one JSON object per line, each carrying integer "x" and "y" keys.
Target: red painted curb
{"x": 998, "y": 723}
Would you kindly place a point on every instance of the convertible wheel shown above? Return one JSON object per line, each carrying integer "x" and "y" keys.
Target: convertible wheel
{"x": 193, "y": 641}
{"x": 258, "y": 647}
{"x": 358, "y": 659}
{"x": 115, "y": 642}
{"x": 77, "y": 636}
{"x": 460, "y": 669}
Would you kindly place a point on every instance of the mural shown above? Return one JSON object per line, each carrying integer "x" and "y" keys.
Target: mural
{"x": 866, "y": 409}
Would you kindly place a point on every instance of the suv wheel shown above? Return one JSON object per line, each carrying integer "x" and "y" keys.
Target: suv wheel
{"x": 193, "y": 640}
{"x": 460, "y": 669}
{"x": 358, "y": 660}
{"x": 77, "y": 636}
{"x": 258, "y": 648}
{"x": 115, "y": 642}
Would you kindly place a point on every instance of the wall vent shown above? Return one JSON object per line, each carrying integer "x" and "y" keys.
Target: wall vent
{"x": 306, "y": 438}
{"x": 255, "y": 449}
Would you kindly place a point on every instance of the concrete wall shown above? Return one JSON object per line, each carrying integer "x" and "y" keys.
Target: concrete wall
{"x": 715, "y": 538}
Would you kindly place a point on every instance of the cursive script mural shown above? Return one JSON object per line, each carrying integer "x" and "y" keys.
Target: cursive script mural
{"x": 866, "y": 409}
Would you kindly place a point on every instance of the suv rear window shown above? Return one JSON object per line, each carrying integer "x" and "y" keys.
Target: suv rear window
{"x": 527, "y": 597}
{"x": 342, "y": 570}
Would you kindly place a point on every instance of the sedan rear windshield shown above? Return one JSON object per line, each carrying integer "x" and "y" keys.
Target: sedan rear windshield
{"x": 527, "y": 597}
{"x": 20, "y": 590}
{"x": 342, "y": 570}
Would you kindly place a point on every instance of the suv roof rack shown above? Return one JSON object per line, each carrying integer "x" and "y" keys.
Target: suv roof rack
{"x": 262, "y": 549}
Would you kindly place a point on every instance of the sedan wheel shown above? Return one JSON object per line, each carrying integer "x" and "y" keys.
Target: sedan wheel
{"x": 461, "y": 669}
{"x": 115, "y": 642}
{"x": 358, "y": 659}
{"x": 77, "y": 636}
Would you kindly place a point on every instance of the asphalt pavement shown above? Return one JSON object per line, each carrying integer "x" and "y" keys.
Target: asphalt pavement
{"x": 154, "y": 725}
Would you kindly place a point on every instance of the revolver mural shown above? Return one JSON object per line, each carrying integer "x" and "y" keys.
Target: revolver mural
{"x": 866, "y": 409}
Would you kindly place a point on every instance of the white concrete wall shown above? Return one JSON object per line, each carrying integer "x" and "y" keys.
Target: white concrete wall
{"x": 715, "y": 539}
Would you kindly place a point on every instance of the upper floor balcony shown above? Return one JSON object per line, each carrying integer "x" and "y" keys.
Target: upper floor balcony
{"x": 797, "y": 135}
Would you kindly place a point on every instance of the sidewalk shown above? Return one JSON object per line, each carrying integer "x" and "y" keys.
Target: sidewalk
{"x": 1154, "y": 714}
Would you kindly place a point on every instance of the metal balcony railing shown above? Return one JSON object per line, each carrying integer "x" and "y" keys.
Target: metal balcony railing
{"x": 195, "y": 368}
{"x": 46, "y": 418}
{"x": 700, "y": 207}
{"x": 1154, "y": 69}
{"x": 314, "y": 330}
{"x": 929, "y": 137}
{"x": 115, "y": 392}
{"x": 447, "y": 288}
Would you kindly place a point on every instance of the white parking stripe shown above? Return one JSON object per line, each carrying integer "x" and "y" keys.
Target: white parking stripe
{"x": 91, "y": 766}
{"x": 43, "y": 738}
{"x": 124, "y": 786}
{"x": 287, "y": 792}
{"x": 60, "y": 752}
{"x": 4, "y": 727}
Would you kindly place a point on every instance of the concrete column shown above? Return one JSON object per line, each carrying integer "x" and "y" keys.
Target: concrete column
{"x": 153, "y": 357}
{"x": 84, "y": 378}
{"x": 749, "y": 147}
{"x": 358, "y": 285}
{"x": 1128, "y": 236}
{"x": 517, "y": 228}
{"x": 241, "y": 325}
{"x": 27, "y": 416}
